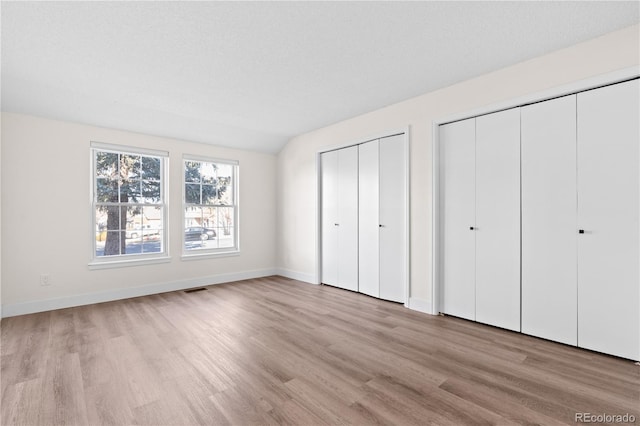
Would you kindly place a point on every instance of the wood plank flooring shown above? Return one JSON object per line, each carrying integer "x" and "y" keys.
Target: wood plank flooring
{"x": 276, "y": 351}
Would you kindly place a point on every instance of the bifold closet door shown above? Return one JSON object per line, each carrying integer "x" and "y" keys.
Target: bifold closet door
{"x": 608, "y": 211}
{"x": 348, "y": 218}
{"x": 392, "y": 218}
{"x": 329, "y": 174}
{"x": 549, "y": 229}
{"x": 498, "y": 219}
{"x": 457, "y": 201}
{"x": 340, "y": 218}
{"x": 369, "y": 221}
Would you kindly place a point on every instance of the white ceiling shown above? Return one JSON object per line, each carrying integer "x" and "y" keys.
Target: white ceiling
{"x": 253, "y": 74}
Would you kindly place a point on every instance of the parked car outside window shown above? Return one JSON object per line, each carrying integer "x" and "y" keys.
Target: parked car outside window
{"x": 199, "y": 233}
{"x": 145, "y": 231}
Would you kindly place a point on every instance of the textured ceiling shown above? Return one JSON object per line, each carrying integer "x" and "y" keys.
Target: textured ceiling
{"x": 251, "y": 75}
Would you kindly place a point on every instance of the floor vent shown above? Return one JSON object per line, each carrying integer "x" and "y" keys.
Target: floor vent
{"x": 193, "y": 290}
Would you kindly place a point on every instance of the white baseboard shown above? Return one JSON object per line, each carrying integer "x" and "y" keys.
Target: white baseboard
{"x": 295, "y": 275}
{"x": 10, "y": 310}
{"x": 420, "y": 305}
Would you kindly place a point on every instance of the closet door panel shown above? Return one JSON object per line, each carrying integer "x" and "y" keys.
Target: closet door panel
{"x": 457, "y": 201}
{"x": 392, "y": 218}
{"x": 549, "y": 201}
{"x": 368, "y": 193}
{"x": 329, "y": 173}
{"x": 498, "y": 219}
{"x": 348, "y": 218}
{"x": 608, "y": 208}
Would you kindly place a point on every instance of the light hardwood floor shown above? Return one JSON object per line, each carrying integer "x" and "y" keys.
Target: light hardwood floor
{"x": 277, "y": 351}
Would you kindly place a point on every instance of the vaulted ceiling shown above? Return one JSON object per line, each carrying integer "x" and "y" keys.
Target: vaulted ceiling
{"x": 251, "y": 75}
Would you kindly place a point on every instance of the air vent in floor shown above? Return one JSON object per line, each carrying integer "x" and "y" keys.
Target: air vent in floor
{"x": 193, "y": 290}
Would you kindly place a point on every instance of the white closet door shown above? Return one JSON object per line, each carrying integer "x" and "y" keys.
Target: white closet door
{"x": 392, "y": 218}
{"x": 348, "y": 218}
{"x": 329, "y": 173}
{"x": 608, "y": 204}
{"x": 498, "y": 219}
{"x": 368, "y": 194}
{"x": 549, "y": 254}
{"x": 457, "y": 200}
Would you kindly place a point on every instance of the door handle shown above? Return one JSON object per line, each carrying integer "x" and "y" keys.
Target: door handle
{"x": 580, "y": 231}
{"x": 380, "y": 226}
{"x": 471, "y": 228}
{"x": 336, "y": 224}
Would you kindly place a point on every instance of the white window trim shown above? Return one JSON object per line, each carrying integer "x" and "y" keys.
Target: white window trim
{"x": 214, "y": 252}
{"x": 198, "y": 256}
{"x": 128, "y": 262}
{"x": 105, "y": 262}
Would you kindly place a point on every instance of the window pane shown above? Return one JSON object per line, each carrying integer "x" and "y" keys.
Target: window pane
{"x": 152, "y": 244}
{"x": 193, "y": 230}
{"x": 225, "y": 191}
{"x": 209, "y": 194}
{"x": 209, "y": 241}
{"x": 130, "y": 191}
{"x": 109, "y": 217}
{"x": 112, "y": 245}
{"x": 152, "y": 221}
{"x": 144, "y": 230}
{"x": 151, "y": 192}
{"x": 226, "y": 226}
{"x": 191, "y": 171}
{"x": 106, "y": 190}
{"x": 134, "y": 245}
{"x": 106, "y": 164}
{"x": 225, "y": 184}
{"x": 150, "y": 168}
{"x": 227, "y": 241}
{"x": 101, "y": 230}
{"x": 208, "y": 172}
{"x": 225, "y": 170}
{"x": 133, "y": 225}
{"x": 192, "y": 193}
{"x": 152, "y": 230}
{"x": 192, "y": 216}
{"x": 209, "y": 217}
{"x": 108, "y": 234}
{"x": 199, "y": 237}
{"x": 130, "y": 166}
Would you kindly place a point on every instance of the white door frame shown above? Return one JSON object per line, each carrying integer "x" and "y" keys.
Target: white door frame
{"x": 402, "y": 131}
{"x": 567, "y": 89}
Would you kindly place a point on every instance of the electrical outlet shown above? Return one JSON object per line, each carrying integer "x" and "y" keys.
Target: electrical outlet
{"x": 45, "y": 279}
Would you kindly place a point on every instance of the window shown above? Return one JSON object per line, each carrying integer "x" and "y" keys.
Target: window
{"x": 128, "y": 204}
{"x": 210, "y": 206}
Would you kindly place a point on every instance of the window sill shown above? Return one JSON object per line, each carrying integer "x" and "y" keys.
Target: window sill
{"x": 197, "y": 256}
{"x": 107, "y": 264}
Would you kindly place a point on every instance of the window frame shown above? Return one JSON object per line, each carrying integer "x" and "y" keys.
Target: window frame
{"x": 121, "y": 260}
{"x": 220, "y": 251}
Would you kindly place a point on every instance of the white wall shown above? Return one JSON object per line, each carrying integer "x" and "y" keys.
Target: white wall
{"x": 0, "y": 220}
{"x": 46, "y": 217}
{"x": 297, "y": 186}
